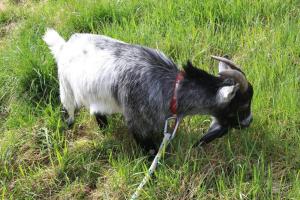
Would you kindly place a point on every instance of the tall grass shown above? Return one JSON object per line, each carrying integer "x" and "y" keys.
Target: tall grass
{"x": 41, "y": 159}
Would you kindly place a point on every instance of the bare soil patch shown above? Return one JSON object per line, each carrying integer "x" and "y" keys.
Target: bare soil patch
{"x": 2, "y": 6}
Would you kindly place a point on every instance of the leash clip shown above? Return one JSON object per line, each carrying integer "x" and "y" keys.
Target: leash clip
{"x": 168, "y": 122}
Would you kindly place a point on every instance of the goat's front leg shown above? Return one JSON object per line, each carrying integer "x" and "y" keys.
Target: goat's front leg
{"x": 147, "y": 143}
{"x": 215, "y": 131}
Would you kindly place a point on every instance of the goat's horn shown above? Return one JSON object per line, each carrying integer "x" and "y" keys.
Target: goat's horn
{"x": 238, "y": 77}
{"x": 231, "y": 64}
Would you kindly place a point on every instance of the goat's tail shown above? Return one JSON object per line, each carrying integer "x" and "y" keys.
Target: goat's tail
{"x": 54, "y": 41}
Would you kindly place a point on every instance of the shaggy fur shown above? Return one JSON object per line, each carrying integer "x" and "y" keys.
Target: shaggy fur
{"x": 109, "y": 76}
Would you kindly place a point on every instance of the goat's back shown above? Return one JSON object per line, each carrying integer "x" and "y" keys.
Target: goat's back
{"x": 108, "y": 75}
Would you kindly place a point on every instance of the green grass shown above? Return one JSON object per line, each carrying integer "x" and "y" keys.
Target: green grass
{"x": 41, "y": 159}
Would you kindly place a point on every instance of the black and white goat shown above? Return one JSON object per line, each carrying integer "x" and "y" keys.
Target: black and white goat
{"x": 110, "y": 76}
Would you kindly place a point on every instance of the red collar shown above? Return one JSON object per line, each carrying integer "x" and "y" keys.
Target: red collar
{"x": 173, "y": 103}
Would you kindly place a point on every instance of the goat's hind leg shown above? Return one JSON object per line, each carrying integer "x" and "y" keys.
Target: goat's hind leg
{"x": 68, "y": 115}
{"x": 101, "y": 120}
{"x": 68, "y": 107}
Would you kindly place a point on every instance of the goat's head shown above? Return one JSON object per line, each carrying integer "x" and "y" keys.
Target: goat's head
{"x": 236, "y": 98}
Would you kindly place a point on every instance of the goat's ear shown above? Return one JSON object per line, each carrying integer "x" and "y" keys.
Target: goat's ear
{"x": 226, "y": 94}
{"x": 223, "y": 67}
{"x": 193, "y": 71}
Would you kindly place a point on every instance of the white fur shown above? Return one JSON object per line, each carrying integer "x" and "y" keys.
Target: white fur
{"x": 226, "y": 93}
{"x": 54, "y": 41}
{"x": 223, "y": 67}
{"x": 85, "y": 72}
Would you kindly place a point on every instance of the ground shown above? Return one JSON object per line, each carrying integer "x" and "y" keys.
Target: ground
{"x": 41, "y": 159}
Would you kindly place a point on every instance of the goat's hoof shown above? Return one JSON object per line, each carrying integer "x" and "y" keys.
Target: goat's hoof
{"x": 102, "y": 125}
{"x": 70, "y": 122}
{"x": 152, "y": 153}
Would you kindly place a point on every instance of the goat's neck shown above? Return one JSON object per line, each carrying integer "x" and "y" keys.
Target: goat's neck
{"x": 196, "y": 97}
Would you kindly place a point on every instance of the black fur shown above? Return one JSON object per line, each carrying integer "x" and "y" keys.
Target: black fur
{"x": 101, "y": 120}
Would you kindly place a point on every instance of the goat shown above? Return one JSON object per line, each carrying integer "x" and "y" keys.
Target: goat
{"x": 109, "y": 76}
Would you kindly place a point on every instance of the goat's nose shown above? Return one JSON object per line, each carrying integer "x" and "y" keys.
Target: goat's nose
{"x": 246, "y": 122}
